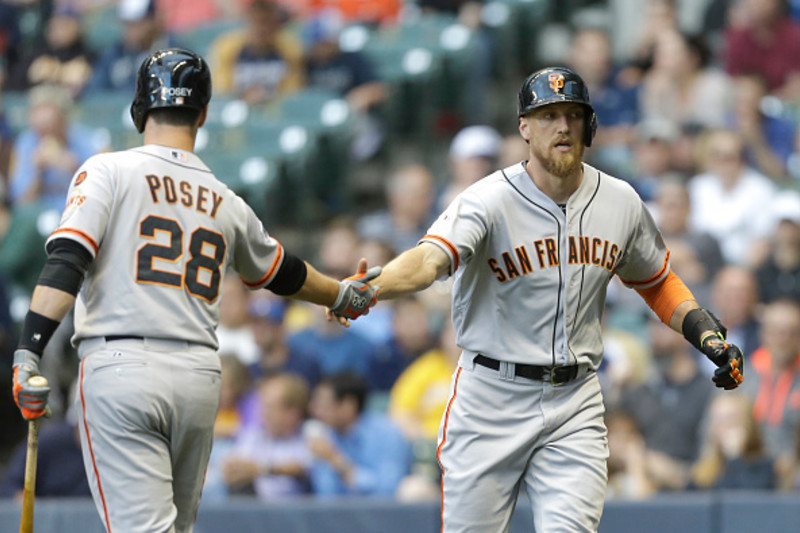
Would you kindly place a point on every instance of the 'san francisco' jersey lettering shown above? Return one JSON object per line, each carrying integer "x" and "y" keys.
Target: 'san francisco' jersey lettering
{"x": 600, "y": 253}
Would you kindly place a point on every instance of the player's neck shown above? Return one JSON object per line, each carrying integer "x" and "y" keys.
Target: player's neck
{"x": 557, "y": 188}
{"x": 180, "y": 137}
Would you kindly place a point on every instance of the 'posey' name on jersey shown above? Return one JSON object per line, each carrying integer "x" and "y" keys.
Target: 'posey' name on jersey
{"x": 203, "y": 199}
{"x": 583, "y": 250}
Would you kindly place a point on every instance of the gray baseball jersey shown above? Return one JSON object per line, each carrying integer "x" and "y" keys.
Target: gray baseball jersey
{"x": 530, "y": 285}
{"x": 162, "y": 231}
{"x": 530, "y": 280}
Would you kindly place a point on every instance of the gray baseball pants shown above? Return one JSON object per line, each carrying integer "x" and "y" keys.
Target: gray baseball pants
{"x": 147, "y": 409}
{"x": 501, "y": 431}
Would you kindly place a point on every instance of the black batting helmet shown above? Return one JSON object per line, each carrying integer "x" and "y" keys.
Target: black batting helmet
{"x": 553, "y": 85}
{"x": 174, "y": 77}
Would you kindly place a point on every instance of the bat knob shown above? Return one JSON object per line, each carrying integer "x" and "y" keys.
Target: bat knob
{"x": 37, "y": 381}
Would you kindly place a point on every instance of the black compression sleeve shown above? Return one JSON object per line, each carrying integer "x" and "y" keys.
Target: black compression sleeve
{"x": 290, "y": 277}
{"x": 36, "y": 332}
{"x": 66, "y": 266}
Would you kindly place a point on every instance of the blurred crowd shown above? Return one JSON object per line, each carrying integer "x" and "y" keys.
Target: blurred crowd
{"x": 704, "y": 125}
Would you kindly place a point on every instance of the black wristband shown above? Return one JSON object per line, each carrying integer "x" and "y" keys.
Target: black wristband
{"x": 696, "y": 322}
{"x": 36, "y": 332}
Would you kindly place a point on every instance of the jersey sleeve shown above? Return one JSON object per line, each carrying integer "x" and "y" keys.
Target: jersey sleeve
{"x": 256, "y": 255}
{"x": 88, "y": 207}
{"x": 646, "y": 259}
{"x": 460, "y": 229}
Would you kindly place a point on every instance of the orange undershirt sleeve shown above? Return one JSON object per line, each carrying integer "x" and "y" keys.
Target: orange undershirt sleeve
{"x": 664, "y": 297}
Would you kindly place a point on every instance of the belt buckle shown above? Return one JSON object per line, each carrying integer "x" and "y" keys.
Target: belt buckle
{"x": 560, "y": 375}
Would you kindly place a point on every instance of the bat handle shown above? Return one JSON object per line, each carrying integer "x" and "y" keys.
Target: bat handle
{"x": 29, "y": 490}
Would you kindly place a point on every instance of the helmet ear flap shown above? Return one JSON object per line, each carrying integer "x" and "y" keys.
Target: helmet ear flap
{"x": 589, "y": 127}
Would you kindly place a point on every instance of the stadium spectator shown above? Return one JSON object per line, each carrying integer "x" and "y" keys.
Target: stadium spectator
{"x": 7, "y": 134}
{"x": 234, "y": 332}
{"x": 416, "y": 403}
{"x": 660, "y": 16}
{"x": 371, "y": 12}
{"x": 61, "y": 59}
{"x": 142, "y": 33}
{"x": 358, "y": 453}
{"x": 474, "y": 91}
{"x": 10, "y": 33}
{"x": 473, "y": 154}
{"x": 181, "y": 16}
{"x": 409, "y": 196}
{"x": 702, "y": 257}
{"x": 669, "y": 409}
{"x": 377, "y": 325}
{"x": 773, "y": 383}
{"x": 628, "y": 478}
{"x": 420, "y": 393}
{"x": 683, "y": 86}
{"x": 59, "y": 473}
{"x": 735, "y": 299}
{"x": 768, "y": 139}
{"x": 627, "y": 359}
{"x": 728, "y": 198}
{"x": 762, "y": 40}
{"x": 652, "y": 156}
{"x": 261, "y": 61}
{"x": 267, "y": 313}
{"x": 49, "y": 151}
{"x": 272, "y": 459}
{"x": 513, "y": 150}
{"x": 339, "y": 249}
{"x": 734, "y": 457}
{"x": 336, "y": 349}
{"x": 349, "y": 74}
{"x": 614, "y": 103}
{"x": 235, "y": 385}
{"x": 411, "y": 337}
{"x": 779, "y": 275}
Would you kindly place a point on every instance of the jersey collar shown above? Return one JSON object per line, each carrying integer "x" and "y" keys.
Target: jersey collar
{"x": 519, "y": 177}
{"x": 174, "y": 155}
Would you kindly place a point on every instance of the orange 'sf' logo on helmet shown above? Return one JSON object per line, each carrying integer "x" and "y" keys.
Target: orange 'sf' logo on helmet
{"x": 556, "y": 81}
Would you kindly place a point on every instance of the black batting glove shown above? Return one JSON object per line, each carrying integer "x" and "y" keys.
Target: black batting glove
{"x": 729, "y": 360}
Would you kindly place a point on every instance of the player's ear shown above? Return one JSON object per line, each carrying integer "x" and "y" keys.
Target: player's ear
{"x": 203, "y": 117}
{"x": 523, "y": 129}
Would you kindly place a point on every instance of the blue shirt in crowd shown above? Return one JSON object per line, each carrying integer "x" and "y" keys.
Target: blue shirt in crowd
{"x": 81, "y": 141}
{"x": 377, "y": 450}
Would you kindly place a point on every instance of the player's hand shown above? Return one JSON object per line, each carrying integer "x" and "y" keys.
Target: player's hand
{"x": 729, "y": 360}
{"x": 31, "y": 399}
{"x": 356, "y": 296}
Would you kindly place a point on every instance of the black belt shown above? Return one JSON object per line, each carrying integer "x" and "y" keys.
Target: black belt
{"x": 556, "y": 375}
{"x": 110, "y": 338}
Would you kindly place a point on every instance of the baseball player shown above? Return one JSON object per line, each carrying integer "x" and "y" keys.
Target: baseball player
{"x": 533, "y": 247}
{"x": 144, "y": 242}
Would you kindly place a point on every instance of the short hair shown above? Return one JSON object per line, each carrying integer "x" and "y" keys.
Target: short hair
{"x": 348, "y": 384}
{"x": 175, "y": 116}
{"x": 295, "y": 390}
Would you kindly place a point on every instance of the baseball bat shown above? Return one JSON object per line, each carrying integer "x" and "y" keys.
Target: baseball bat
{"x": 29, "y": 490}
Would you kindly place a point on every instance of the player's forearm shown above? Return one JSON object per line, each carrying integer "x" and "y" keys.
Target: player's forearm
{"x": 318, "y": 288}
{"x": 411, "y": 271}
{"x": 51, "y": 302}
{"x": 676, "y": 322}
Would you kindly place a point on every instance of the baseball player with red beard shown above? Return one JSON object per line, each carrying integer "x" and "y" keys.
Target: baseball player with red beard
{"x": 153, "y": 233}
{"x": 532, "y": 248}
